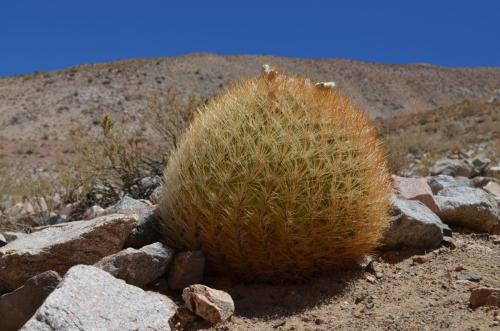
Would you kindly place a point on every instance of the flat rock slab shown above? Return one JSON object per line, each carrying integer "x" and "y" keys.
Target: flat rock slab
{"x": 17, "y": 307}
{"x": 62, "y": 246}
{"x": 138, "y": 267}
{"x": 212, "y": 305}
{"x": 89, "y": 298}
{"x": 414, "y": 189}
{"x": 413, "y": 225}
{"x": 469, "y": 207}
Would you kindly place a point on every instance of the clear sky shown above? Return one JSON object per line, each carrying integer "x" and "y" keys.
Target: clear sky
{"x": 37, "y": 35}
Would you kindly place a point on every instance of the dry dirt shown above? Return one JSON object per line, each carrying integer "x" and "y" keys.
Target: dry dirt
{"x": 406, "y": 296}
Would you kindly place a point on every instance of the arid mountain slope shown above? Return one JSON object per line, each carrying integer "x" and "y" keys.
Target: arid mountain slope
{"x": 41, "y": 103}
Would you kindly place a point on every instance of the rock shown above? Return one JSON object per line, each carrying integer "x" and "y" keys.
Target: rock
{"x": 480, "y": 181}
{"x": 485, "y": 296}
{"x": 145, "y": 231}
{"x": 138, "y": 267}
{"x": 155, "y": 196}
{"x": 59, "y": 247}
{"x": 493, "y": 172}
{"x": 89, "y": 298}
{"x": 11, "y": 235}
{"x": 212, "y": 305}
{"x": 187, "y": 269}
{"x": 413, "y": 225}
{"x": 439, "y": 182}
{"x": 469, "y": 207}
{"x": 449, "y": 242}
{"x": 3, "y": 241}
{"x": 453, "y": 168}
{"x": 93, "y": 212}
{"x": 479, "y": 163}
{"x": 414, "y": 189}
{"x": 470, "y": 276}
{"x": 17, "y": 307}
{"x": 419, "y": 259}
{"x": 492, "y": 188}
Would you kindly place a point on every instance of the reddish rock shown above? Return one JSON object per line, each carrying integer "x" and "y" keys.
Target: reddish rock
{"x": 414, "y": 189}
{"x": 212, "y": 305}
{"x": 485, "y": 296}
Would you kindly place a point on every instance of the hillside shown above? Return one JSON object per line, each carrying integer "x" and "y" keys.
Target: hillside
{"x": 45, "y": 103}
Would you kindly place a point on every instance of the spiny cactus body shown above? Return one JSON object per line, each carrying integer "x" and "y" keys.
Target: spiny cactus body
{"x": 276, "y": 179}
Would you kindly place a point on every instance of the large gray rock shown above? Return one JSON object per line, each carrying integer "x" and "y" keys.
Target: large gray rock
{"x": 469, "y": 207}
{"x": 89, "y": 298}
{"x": 453, "y": 168}
{"x": 17, "y": 307}
{"x": 59, "y": 247}
{"x": 138, "y": 267}
{"x": 187, "y": 269}
{"x": 145, "y": 232}
{"x": 439, "y": 182}
{"x": 212, "y": 305}
{"x": 413, "y": 225}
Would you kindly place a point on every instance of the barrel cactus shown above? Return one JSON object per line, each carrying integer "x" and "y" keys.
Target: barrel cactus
{"x": 277, "y": 179}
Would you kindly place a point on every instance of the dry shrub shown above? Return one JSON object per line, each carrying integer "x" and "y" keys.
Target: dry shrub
{"x": 277, "y": 179}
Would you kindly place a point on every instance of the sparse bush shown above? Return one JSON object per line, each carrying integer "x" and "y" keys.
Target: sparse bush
{"x": 277, "y": 179}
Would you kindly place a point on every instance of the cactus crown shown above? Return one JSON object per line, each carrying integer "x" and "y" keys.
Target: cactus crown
{"x": 276, "y": 179}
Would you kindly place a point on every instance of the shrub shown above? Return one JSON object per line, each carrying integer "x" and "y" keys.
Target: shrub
{"x": 276, "y": 179}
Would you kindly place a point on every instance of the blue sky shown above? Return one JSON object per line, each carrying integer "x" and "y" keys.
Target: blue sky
{"x": 38, "y": 35}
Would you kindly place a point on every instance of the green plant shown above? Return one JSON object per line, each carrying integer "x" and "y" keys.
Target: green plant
{"x": 276, "y": 179}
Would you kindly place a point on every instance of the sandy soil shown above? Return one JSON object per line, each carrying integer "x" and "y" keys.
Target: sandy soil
{"x": 403, "y": 295}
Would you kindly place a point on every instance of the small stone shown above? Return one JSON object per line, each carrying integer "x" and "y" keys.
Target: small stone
{"x": 93, "y": 212}
{"x": 370, "y": 279}
{"x": 212, "y": 305}
{"x": 485, "y": 296}
{"x": 138, "y": 267}
{"x": 470, "y": 276}
{"x": 17, "y": 307}
{"x": 187, "y": 269}
{"x": 449, "y": 242}
{"x": 419, "y": 259}
{"x": 492, "y": 188}
{"x": 319, "y": 321}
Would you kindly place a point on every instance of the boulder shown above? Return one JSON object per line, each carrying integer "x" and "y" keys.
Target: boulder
{"x": 155, "y": 196}
{"x": 59, "y": 247}
{"x": 138, "y": 267}
{"x": 414, "y": 189}
{"x": 485, "y": 296}
{"x": 187, "y": 269}
{"x": 493, "y": 172}
{"x": 453, "y": 168}
{"x": 212, "y": 305}
{"x": 145, "y": 231}
{"x": 439, "y": 182}
{"x": 469, "y": 207}
{"x": 89, "y": 298}
{"x": 17, "y": 307}
{"x": 11, "y": 235}
{"x": 493, "y": 189}
{"x": 413, "y": 225}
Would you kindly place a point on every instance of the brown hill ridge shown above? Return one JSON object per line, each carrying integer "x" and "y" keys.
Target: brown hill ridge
{"x": 51, "y": 100}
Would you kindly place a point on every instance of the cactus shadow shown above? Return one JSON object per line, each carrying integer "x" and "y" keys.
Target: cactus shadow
{"x": 259, "y": 300}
